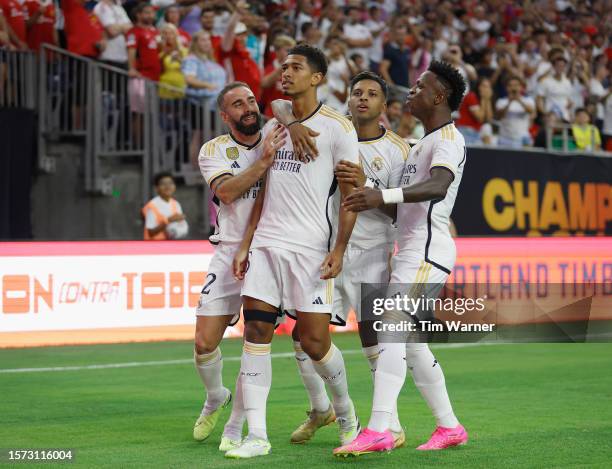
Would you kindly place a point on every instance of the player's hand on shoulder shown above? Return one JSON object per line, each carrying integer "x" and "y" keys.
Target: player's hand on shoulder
{"x": 332, "y": 265}
{"x": 241, "y": 263}
{"x": 363, "y": 198}
{"x": 304, "y": 143}
{"x": 275, "y": 139}
{"x": 350, "y": 173}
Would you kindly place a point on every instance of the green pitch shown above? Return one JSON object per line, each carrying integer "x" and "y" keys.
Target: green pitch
{"x": 536, "y": 405}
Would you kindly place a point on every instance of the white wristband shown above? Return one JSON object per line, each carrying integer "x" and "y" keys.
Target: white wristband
{"x": 369, "y": 183}
{"x": 393, "y": 196}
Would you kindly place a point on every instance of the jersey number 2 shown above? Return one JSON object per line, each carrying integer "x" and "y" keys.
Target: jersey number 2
{"x": 206, "y": 289}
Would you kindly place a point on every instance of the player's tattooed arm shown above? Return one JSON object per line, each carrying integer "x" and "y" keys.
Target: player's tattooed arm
{"x": 302, "y": 137}
{"x": 230, "y": 188}
{"x": 433, "y": 189}
{"x": 241, "y": 259}
{"x": 332, "y": 265}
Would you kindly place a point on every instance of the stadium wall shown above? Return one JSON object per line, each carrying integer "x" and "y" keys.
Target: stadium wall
{"x": 534, "y": 193}
{"x": 55, "y": 293}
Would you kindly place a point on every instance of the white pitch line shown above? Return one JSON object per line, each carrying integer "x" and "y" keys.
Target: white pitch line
{"x": 185, "y": 361}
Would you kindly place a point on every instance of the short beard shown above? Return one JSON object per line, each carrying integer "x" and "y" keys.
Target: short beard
{"x": 249, "y": 129}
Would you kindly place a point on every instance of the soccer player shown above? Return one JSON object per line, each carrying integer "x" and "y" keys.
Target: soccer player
{"x": 292, "y": 261}
{"x": 426, "y": 257}
{"x": 232, "y": 165}
{"x": 366, "y": 259}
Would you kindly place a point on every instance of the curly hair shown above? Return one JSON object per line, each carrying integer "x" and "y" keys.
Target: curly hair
{"x": 314, "y": 56}
{"x": 452, "y": 80}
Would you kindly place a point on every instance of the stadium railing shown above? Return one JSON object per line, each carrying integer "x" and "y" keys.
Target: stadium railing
{"x": 18, "y": 79}
{"x": 117, "y": 116}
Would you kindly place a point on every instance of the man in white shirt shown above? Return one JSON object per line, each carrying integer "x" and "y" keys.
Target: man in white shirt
{"x": 116, "y": 24}
{"x": 287, "y": 258}
{"x": 233, "y": 166}
{"x": 424, "y": 261}
{"x": 555, "y": 91}
{"x": 357, "y": 35}
{"x": 515, "y": 113}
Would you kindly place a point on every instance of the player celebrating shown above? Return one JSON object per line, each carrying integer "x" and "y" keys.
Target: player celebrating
{"x": 426, "y": 256}
{"x": 231, "y": 167}
{"x": 292, "y": 261}
{"x": 366, "y": 259}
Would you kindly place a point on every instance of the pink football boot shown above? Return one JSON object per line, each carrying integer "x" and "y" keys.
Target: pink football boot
{"x": 445, "y": 437}
{"x": 368, "y": 441}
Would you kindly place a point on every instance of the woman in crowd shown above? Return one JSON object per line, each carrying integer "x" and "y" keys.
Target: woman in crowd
{"x": 205, "y": 78}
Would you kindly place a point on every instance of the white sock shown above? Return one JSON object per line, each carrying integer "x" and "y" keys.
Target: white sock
{"x": 388, "y": 382}
{"x": 233, "y": 427}
{"x": 210, "y": 366}
{"x": 331, "y": 369}
{"x": 256, "y": 378}
{"x": 314, "y": 384}
{"x": 371, "y": 353}
{"x": 429, "y": 380}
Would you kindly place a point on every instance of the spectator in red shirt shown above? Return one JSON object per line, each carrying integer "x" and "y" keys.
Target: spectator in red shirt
{"x": 172, "y": 15}
{"x": 207, "y": 19}
{"x": 235, "y": 57}
{"x": 476, "y": 109}
{"x": 143, "y": 62}
{"x": 143, "y": 45}
{"x": 14, "y": 16}
{"x": 41, "y": 23}
{"x": 270, "y": 82}
{"x": 84, "y": 32}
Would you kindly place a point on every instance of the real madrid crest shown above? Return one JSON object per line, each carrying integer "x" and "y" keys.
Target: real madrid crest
{"x": 232, "y": 153}
{"x": 377, "y": 163}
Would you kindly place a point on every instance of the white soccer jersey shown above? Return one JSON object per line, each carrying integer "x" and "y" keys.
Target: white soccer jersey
{"x": 297, "y": 212}
{"x": 224, "y": 155}
{"x": 423, "y": 226}
{"x": 383, "y": 162}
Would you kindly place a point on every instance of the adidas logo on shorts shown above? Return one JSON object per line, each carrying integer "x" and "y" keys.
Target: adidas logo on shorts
{"x": 235, "y": 165}
{"x": 318, "y": 301}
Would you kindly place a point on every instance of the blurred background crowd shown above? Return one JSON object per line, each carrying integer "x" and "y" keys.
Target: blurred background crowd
{"x": 530, "y": 65}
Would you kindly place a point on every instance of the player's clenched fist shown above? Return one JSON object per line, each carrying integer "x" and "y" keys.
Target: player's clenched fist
{"x": 364, "y": 198}
{"x": 273, "y": 141}
{"x": 241, "y": 263}
{"x": 332, "y": 265}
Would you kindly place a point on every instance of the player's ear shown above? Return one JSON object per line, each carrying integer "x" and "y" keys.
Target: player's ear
{"x": 439, "y": 98}
{"x": 316, "y": 79}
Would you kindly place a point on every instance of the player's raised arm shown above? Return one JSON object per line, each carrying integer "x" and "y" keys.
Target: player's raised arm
{"x": 229, "y": 188}
{"x": 302, "y": 137}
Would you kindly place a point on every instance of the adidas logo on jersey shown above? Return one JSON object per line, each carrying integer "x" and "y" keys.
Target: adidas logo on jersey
{"x": 235, "y": 165}
{"x": 318, "y": 301}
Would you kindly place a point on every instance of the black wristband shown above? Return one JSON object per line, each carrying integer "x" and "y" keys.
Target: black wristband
{"x": 291, "y": 123}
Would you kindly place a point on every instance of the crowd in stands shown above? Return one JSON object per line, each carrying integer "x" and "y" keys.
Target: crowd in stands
{"x": 529, "y": 65}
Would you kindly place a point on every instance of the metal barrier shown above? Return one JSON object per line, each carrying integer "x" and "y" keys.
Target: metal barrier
{"x": 18, "y": 79}
{"x": 118, "y": 117}
{"x": 567, "y": 138}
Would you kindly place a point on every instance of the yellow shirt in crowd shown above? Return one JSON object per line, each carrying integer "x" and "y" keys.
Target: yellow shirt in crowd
{"x": 172, "y": 75}
{"x": 586, "y": 136}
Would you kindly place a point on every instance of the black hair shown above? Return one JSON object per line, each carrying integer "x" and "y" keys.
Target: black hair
{"x": 367, "y": 75}
{"x": 226, "y": 89}
{"x": 306, "y": 26}
{"x": 138, "y": 9}
{"x": 450, "y": 77}
{"x": 159, "y": 176}
{"x": 314, "y": 56}
{"x": 582, "y": 109}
